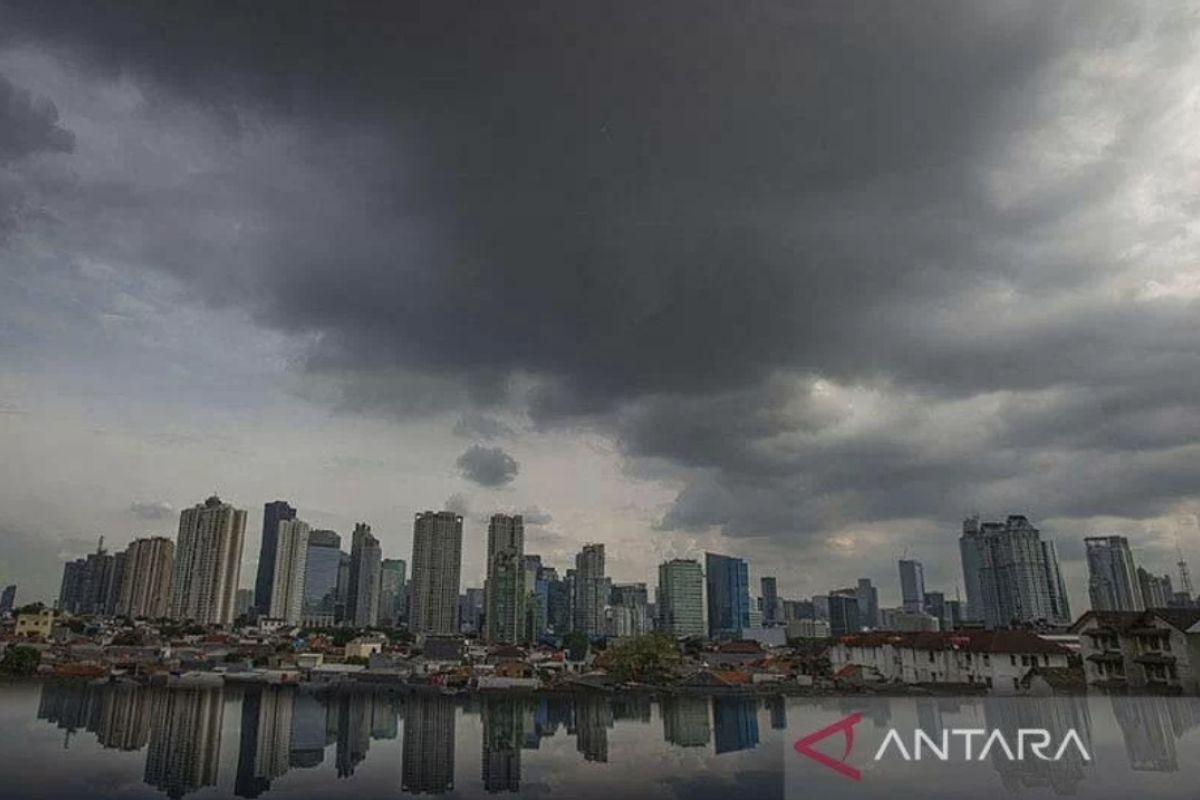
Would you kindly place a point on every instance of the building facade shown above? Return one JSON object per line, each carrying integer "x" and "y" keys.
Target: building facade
{"x": 208, "y": 563}
{"x": 504, "y": 590}
{"x": 320, "y": 603}
{"x": 912, "y": 585}
{"x": 1112, "y": 575}
{"x": 146, "y": 588}
{"x": 727, "y": 581}
{"x": 291, "y": 562}
{"x": 592, "y": 590}
{"x": 393, "y": 587}
{"x": 436, "y": 572}
{"x": 273, "y": 513}
{"x": 681, "y": 599}
{"x": 1011, "y": 575}
{"x": 366, "y": 557}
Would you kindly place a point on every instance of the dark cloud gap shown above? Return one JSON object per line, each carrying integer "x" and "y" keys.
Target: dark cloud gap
{"x": 490, "y": 467}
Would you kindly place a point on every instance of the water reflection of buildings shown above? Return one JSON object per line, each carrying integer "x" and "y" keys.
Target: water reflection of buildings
{"x": 428, "y": 765}
{"x": 1150, "y": 727}
{"x": 735, "y": 724}
{"x": 777, "y": 706}
{"x": 311, "y": 732}
{"x": 685, "y": 721}
{"x": 119, "y": 716}
{"x": 185, "y": 740}
{"x": 353, "y": 731}
{"x": 593, "y": 718}
{"x": 1058, "y": 715}
{"x": 503, "y": 734}
{"x": 264, "y": 750}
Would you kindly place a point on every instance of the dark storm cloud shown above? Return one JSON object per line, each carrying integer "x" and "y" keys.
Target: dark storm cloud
{"x": 487, "y": 466}
{"x": 680, "y": 221}
{"x": 29, "y": 125}
{"x": 152, "y": 511}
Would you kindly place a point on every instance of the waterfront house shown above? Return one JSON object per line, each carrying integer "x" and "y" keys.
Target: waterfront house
{"x": 995, "y": 661}
{"x": 1154, "y": 650}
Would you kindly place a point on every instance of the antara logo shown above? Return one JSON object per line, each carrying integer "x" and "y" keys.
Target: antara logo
{"x": 967, "y": 744}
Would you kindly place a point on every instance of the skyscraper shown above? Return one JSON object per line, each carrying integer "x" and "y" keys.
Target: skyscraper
{"x": 291, "y": 559}
{"x": 844, "y": 612}
{"x": 728, "y": 582}
{"x": 592, "y": 590}
{"x": 392, "y": 590}
{"x": 1157, "y": 591}
{"x": 146, "y": 588}
{"x": 912, "y": 585}
{"x": 273, "y": 514}
{"x": 1011, "y": 575}
{"x": 208, "y": 562}
{"x": 504, "y": 591}
{"x": 1112, "y": 575}
{"x": 362, "y": 598}
{"x": 92, "y": 585}
{"x": 436, "y": 572}
{"x": 321, "y": 578}
{"x": 681, "y": 598}
{"x": 8, "y": 599}
{"x": 770, "y": 601}
{"x": 868, "y": 604}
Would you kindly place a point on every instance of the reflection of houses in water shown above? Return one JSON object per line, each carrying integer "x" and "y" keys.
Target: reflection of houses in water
{"x": 1058, "y": 715}
{"x": 185, "y": 740}
{"x": 633, "y": 707}
{"x": 310, "y": 733}
{"x": 543, "y": 717}
{"x": 593, "y": 718}
{"x": 735, "y": 724}
{"x": 265, "y": 744}
{"x": 428, "y": 765}
{"x": 353, "y": 731}
{"x": 1151, "y": 725}
{"x": 685, "y": 721}
{"x": 119, "y": 716}
{"x": 503, "y": 722}
{"x": 777, "y": 705}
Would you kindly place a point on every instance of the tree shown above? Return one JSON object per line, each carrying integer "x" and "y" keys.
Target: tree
{"x": 576, "y": 644}
{"x": 652, "y": 658}
{"x": 20, "y": 660}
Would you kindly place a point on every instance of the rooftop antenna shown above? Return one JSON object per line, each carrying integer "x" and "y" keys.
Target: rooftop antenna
{"x": 1185, "y": 576}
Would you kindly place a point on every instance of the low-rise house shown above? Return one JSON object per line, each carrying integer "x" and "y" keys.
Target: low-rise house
{"x": 735, "y": 654}
{"x": 992, "y": 660}
{"x": 35, "y": 623}
{"x": 364, "y": 647}
{"x": 1155, "y": 650}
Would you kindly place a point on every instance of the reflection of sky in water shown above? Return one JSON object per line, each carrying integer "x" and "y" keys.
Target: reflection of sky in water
{"x": 73, "y": 740}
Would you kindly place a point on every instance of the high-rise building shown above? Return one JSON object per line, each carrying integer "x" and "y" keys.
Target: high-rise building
{"x": 243, "y": 603}
{"x": 592, "y": 590}
{"x": 559, "y": 602}
{"x": 92, "y": 585}
{"x": 537, "y": 598}
{"x": 319, "y": 608}
{"x": 8, "y": 599}
{"x": 504, "y": 591}
{"x": 392, "y": 590}
{"x": 146, "y": 588}
{"x": 844, "y": 612}
{"x": 629, "y": 610}
{"x": 273, "y": 513}
{"x": 912, "y": 585}
{"x": 1157, "y": 591}
{"x": 208, "y": 562}
{"x": 291, "y": 560}
{"x": 362, "y": 598}
{"x": 868, "y": 603}
{"x": 727, "y": 580}
{"x": 1112, "y": 575}
{"x": 681, "y": 598}
{"x": 1011, "y": 575}
{"x": 770, "y": 601}
{"x": 935, "y": 606}
{"x": 436, "y": 572}
{"x": 470, "y": 615}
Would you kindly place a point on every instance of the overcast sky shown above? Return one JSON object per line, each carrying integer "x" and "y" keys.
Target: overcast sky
{"x": 805, "y": 283}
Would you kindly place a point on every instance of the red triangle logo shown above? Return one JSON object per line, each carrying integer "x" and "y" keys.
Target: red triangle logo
{"x": 843, "y": 726}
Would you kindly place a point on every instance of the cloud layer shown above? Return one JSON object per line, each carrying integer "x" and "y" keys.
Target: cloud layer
{"x": 817, "y": 270}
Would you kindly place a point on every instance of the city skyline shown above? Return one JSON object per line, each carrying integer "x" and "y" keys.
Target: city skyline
{"x": 716, "y": 303}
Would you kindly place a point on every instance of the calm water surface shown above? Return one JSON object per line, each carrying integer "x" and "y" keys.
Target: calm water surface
{"x": 70, "y": 740}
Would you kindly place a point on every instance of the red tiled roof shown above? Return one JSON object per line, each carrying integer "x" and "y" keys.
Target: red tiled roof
{"x": 969, "y": 641}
